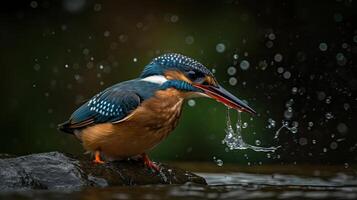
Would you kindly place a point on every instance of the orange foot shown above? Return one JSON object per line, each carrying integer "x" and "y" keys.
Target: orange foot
{"x": 97, "y": 159}
{"x": 150, "y": 164}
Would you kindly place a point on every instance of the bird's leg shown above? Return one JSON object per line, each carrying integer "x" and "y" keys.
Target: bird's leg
{"x": 148, "y": 163}
{"x": 97, "y": 159}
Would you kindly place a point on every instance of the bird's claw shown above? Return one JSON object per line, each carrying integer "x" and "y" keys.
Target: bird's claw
{"x": 150, "y": 164}
{"x": 97, "y": 159}
{"x": 98, "y": 162}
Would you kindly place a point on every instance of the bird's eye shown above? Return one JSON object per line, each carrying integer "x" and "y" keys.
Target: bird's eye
{"x": 191, "y": 75}
{"x": 205, "y": 83}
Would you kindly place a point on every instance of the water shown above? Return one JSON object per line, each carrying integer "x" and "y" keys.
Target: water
{"x": 292, "y": 182}
{"x": 234, "y": 139}
{"x": 292, "y": 129}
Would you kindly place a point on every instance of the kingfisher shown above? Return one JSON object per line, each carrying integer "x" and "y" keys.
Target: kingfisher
{"x": 130, "y": 118}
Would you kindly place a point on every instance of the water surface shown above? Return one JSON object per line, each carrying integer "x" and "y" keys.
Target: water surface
{"x": 229, "y": 182}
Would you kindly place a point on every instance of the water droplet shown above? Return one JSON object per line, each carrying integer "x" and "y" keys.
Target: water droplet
{"x": 311, "y": 124}
{"x": 346, "y": 106}
{"x": 287, "y": 75}
{"x": 77, "y": 77}
{"x": 189, "y": 40}
{"x": 33, "y": 4}
{"x": 344, "y": 45}
{"x": 278, "y": 57}
{"x": 220, "y": 47}
{"x": 295, "y": 124}
{"x": 66, "y": 66}
{"x": 97, "y": 7}
{"x": 244, "y": 65}
{"x": 328, "y": 115}
{"x": 63, "y": 27}
{"x": 280, "y": 70}
{"x": 288, "y": 114}
{"x": 321, "y": 96}
{"x": 289, "y": 103}
{"x": 85, "y": 51}
{"x": 245, "y": 125}
{"x": 106, "y": 34}
{"x": 341, "y": 59}
{"x": 257, "y": 142}
{"x": 135, "y": 60}
{"x": 231, "y": 70}
{"x": 174, "y": 18}
{"x": 271, "y": 36}
{"x": 303, "y": 141}
{"x": 123, "y": 38}
{"x": 263, "y": 64}
{"x": 37, "y": 67}
{"x": 328, "y": 100}
{"x": 269, "y": 44}
{"x": 294, "y": 90}
{"x": 235, "y": 56}
{"x": 218, "y": 161}
{"x": 233, "y": 81}
{"x": 333, "y": 145}
{"x": 342, "y": 128}
{"x": 191, "y": 102}
{"x": 324, "y": 150}
{"x": 323, "y": 46}
{"x": 271, "y": 123}
{"x": 293, "y": 129}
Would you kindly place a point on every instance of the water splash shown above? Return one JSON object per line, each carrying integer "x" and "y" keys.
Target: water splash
{"x": 234, "y": 140}
{"x": 292, "y": 129}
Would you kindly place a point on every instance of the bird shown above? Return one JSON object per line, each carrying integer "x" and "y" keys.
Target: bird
{"x": 130, "y": 118}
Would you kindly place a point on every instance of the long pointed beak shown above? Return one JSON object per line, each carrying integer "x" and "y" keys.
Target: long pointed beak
{"x": 222, "y": 95}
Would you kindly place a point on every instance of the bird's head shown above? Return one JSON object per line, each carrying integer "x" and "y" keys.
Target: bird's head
{"x": 188, "y": 75}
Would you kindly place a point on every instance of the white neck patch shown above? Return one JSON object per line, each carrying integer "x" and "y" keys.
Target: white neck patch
{"x": 158, "y": 79}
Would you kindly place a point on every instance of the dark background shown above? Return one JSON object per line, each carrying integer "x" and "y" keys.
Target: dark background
{"x": 301, "y": 54}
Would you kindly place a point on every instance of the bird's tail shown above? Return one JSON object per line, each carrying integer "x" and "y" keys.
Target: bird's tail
{"x": 65, "y": 127}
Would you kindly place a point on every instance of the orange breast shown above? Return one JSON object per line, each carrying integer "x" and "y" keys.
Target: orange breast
{"x": 147, "y": 126}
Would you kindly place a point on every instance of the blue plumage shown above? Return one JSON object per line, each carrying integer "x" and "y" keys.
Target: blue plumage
{"x": 113, "y": 104}
{"x": 108, "y": 106}
{"x": 174, "y": 61}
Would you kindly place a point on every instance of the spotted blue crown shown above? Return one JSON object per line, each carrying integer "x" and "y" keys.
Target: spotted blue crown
{"x": 173, "y": 61}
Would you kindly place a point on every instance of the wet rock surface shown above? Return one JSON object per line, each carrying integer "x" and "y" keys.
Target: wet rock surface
{"x": 56, "y": 170}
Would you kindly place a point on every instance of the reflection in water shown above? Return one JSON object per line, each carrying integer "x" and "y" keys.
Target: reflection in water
{"x": 220, "y": 186}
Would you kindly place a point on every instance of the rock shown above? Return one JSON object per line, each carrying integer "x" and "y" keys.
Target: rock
{"x": 56, "y": 170}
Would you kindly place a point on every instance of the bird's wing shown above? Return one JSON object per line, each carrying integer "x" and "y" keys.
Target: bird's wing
{"x": 109, "y": 106}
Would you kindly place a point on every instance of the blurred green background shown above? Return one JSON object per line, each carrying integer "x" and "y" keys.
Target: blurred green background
{"x": 56, "y": 54}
